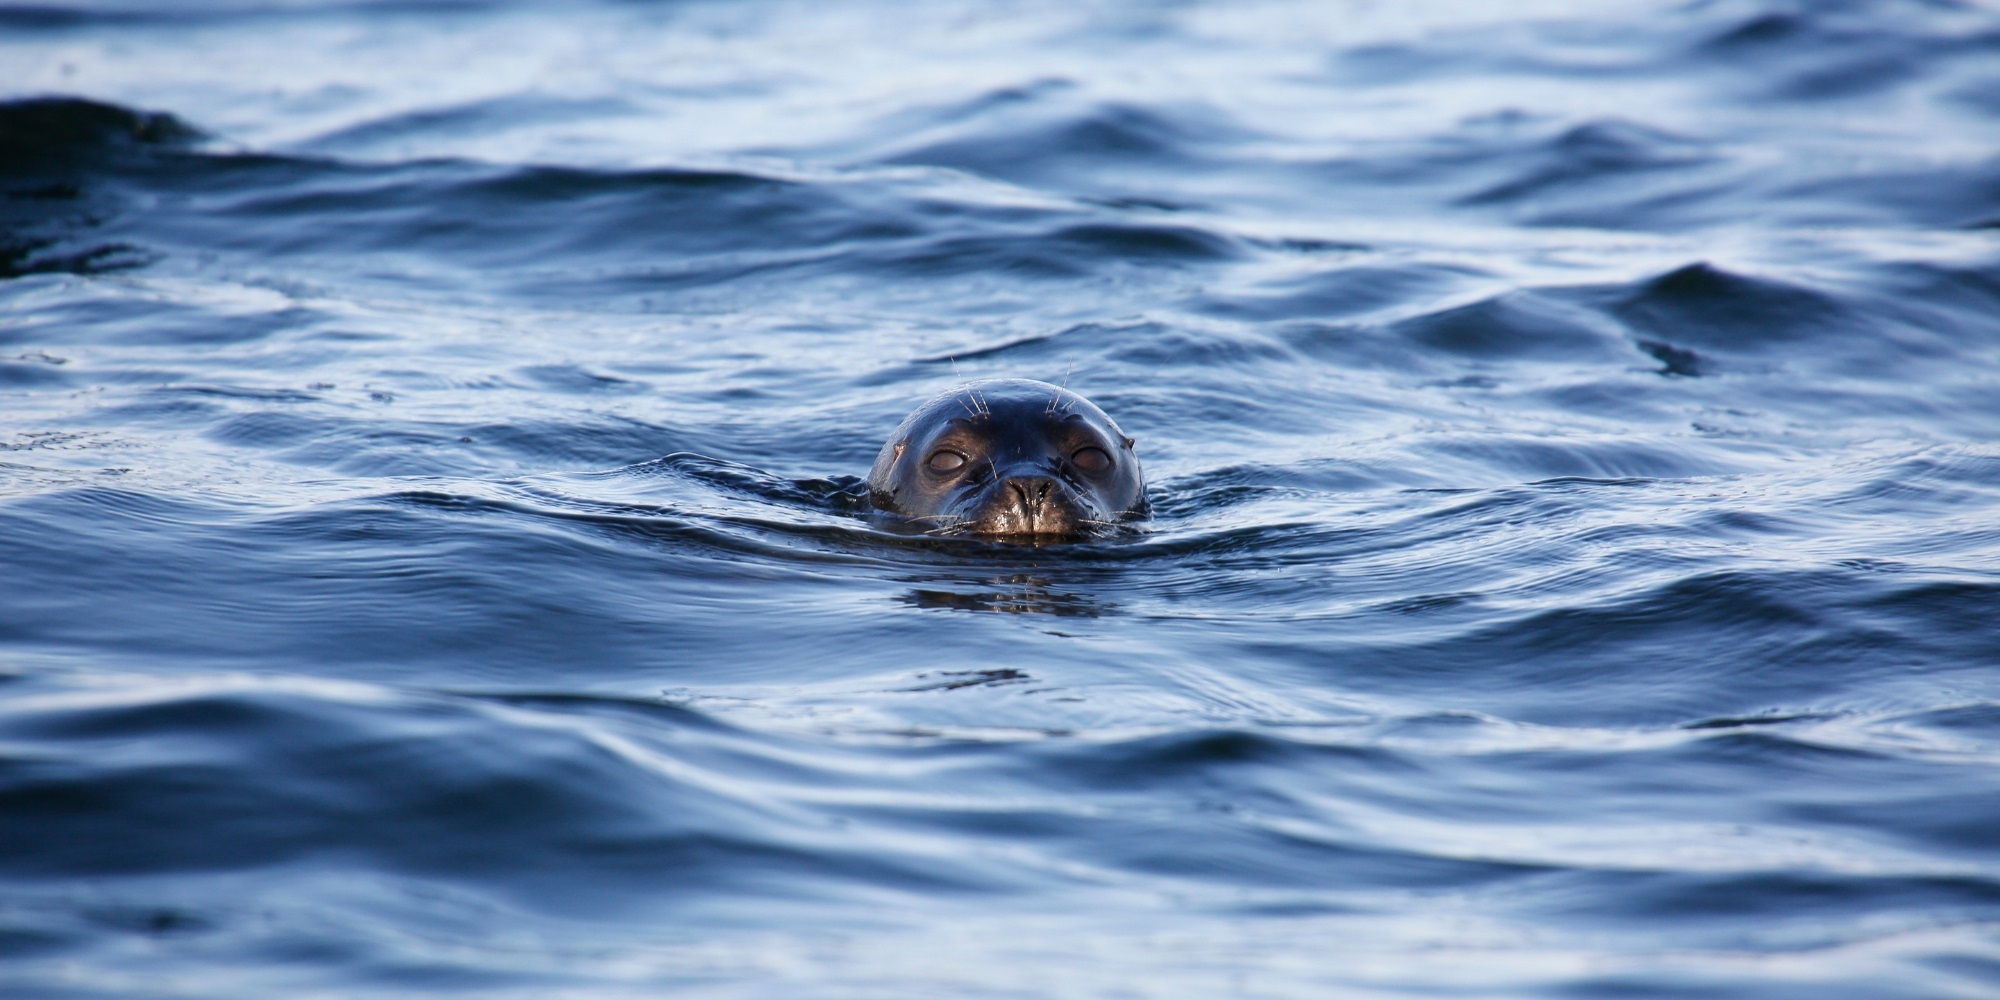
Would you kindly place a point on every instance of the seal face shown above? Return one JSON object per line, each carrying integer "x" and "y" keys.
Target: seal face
{"x": 1012, "y": 458}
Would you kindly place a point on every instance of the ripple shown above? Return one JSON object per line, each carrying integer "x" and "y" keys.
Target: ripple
{"x": 435, "y": 558}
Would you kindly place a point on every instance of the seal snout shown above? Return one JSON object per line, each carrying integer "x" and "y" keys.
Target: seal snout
{"x": 1029, "y": 505}
{"x": 1031, "y": 492}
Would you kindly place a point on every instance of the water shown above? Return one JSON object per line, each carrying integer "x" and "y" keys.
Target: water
{"x": 1574, "y": 570}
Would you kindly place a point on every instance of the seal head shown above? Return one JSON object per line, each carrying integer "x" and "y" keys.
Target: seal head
{"x": 1011, "y": 458}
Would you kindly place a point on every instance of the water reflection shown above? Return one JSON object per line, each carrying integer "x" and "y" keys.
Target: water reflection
{"x": 1011, "y": 593}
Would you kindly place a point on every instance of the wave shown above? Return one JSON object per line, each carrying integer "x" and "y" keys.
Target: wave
{"x": 434, "y": 557}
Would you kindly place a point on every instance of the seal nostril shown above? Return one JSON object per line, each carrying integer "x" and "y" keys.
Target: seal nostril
{"x": 1030, "y": 494}
{"x": 1026, "y": 497}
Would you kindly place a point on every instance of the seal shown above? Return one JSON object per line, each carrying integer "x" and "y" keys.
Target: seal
{"x": 1009, "y": 458}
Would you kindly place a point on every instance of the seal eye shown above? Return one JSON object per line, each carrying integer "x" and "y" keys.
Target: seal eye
{"x": 945, "y": 461}
{"x": 1091, "y": 459}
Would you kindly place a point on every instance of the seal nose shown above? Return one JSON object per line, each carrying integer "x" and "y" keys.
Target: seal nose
{"x": 1027, "y": 505}
{"x": 1031, "y": 497}
{"x": 1031, "y": 493}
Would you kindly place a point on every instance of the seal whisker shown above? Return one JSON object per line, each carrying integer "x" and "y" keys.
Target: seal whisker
{"x": 963, "y": 391}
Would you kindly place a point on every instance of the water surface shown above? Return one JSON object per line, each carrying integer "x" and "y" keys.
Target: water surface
{"x": 429, "y": 566}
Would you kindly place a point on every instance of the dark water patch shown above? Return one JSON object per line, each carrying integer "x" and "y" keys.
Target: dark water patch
{"x": 232, "y": 392}
{"x": 353, "y": 447}
{"x": 1288, "y": 859}
{"x": 1826, "y": 62}
{"x": 1242, "y": 803}
{"x": 1349, "y": 345}
{"x": 1952, "y": 195}
{"x": 845, "y": 493}
{"x": 48, "y": 132}
{"x": 45, "y": 255}
{"x": 1964, "y": 297}
{"x": 481, "y": 216}
{"x": 1825, "y": 52}
{"x": 1515, "y": 326}
{"x": 1659, "y": 655}
{"x": 572, "y": 379}
{"x": 117, "y": 315}
{"x": 376, "y": 590}
{"x": 1595, "y": 151}
{"x": 564, "y": 232}
{"x": 58, "y": 19}
{"x": 1760, "y": 32}
{"x": 1609, "y": 174}
{"x": 1674, "y": 360}
{"x": 1033, "y": 349}
{"x": 1016, "y": 258}
{"x": 1144, "y": 344}
{"x": 1981, "y": 94}
{"x": 543, "y": 445}
{"x": 952, "y": 680}
{"x": 1978, "y": 720}
{"x": 1959, "y": 824}
{"x": 1750, "y": 720}
{"x": 1937, "y": 481}
{"x": 456, "y": 209}
{"x": 1177, "y": 758}
{"x": 1951, "y": 612}
{"x": 51, "y": 206}
{"x": 20, "y": 375}
{"x": 1149, "y": 242}
{"x": 662, "y": 529}
{"x": 1428, "y": 603}
{"x": 469, "y": 119}
{"x": 1063, "y": 141}
{"x": 1558, "y": 457}
{"x": 1750, "y": 897}
{"x": 1024, "y": 594}
{"x": 1217, "y": 489}
{"x": 1723, "y": 310}
{"x": 1386, "y": 64}
{"x": 1339, "y": 293}
{"x": 1700, "y": 319}
{"x": 1066, "y": 252}
{"x": 253, "y": 776}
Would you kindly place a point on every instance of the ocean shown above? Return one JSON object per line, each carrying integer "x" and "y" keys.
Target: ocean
{"x": 430, "y": 563}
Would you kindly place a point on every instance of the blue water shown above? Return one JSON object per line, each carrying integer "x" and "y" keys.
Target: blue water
{"x": 428, "y": 562}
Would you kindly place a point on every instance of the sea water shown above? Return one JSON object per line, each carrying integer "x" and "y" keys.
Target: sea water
{"x": 429, "y": 563}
